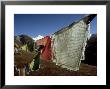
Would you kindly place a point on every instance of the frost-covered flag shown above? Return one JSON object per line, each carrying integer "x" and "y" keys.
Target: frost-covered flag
{"x": 68, "y": 44}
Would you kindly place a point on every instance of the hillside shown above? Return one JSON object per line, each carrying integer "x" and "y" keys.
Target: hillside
{"x": 91, "y": 51}
{"x": 48, "y": 68}
{"x": 22, "y": 39}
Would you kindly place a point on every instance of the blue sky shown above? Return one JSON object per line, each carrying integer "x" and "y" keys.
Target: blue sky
{"x": 46, "y": 24}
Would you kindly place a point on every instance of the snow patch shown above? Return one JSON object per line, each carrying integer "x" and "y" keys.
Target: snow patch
{"x": 38, "y": 37}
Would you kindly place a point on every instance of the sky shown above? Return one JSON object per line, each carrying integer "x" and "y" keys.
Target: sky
{"x": 46, "y": 24}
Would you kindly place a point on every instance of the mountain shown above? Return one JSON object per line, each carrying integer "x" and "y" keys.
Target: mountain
{"x": 23, "y": 39}
{"x": 38, "y": 37}
{"x": 91, "y": 51}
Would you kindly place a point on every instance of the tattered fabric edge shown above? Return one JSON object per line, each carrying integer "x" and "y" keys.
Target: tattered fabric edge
{"x": 87, "y": 36}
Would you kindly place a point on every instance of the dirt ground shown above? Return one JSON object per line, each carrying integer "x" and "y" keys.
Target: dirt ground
{"x": 48, "y": 68}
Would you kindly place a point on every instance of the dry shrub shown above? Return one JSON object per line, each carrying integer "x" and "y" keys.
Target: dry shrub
{"x": 23, "y": 57}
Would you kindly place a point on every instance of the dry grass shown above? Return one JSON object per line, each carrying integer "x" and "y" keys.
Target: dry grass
{"x": 22, "y": 58}
{"x": 48, "y": 68}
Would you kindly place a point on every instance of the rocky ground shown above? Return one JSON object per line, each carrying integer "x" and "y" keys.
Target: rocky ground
{"x": 48, "y": 68}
